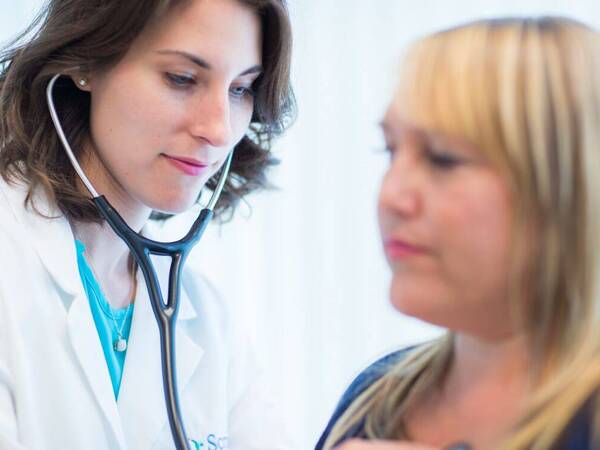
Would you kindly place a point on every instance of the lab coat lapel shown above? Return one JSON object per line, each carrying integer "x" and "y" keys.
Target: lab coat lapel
{"x": 141, "y": 398}
{"x": 54, "y": 243}
{"x": 88, "y": 350}
{"x": 50, "y": 236}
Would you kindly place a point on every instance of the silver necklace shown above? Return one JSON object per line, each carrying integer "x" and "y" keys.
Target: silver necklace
{"x": 120, "y": 344}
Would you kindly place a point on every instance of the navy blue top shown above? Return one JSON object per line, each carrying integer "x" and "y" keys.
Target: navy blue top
{"x": 576, "y": 436}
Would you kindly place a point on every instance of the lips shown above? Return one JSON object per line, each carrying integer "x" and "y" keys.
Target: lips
{"x": 396, "y": 249}
{"x": 189, "y": 166}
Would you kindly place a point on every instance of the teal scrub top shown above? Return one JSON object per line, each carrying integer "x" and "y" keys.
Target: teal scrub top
{"x": 110, "y": 322}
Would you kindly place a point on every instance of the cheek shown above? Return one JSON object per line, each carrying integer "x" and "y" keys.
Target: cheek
{"x": 475, "y": 238}
{"x": 129, "y": 116}
{"x": 241, "y": 115}
{"x": 465, "y": 279}
{"x": 477, "y": 229}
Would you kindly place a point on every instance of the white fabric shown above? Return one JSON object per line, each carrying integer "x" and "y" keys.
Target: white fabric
{"x": 55, "y": 389}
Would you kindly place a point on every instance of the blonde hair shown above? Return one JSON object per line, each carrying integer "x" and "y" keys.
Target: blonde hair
{"x": 526, "y": 92}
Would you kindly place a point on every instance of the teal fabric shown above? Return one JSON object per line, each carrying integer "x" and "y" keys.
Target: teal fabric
{"x": 103, "y": 315}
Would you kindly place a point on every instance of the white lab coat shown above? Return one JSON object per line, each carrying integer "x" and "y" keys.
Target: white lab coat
{"x": 55, "y": 389}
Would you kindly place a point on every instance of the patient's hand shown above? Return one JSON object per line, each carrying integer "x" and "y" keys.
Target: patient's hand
{"x": 360, "y": 444}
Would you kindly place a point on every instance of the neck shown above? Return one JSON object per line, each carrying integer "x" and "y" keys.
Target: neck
{"x": 111, "y": 262}
{"x": 482, "y": 396}
{"x": 481, "y": 366}
{"x": 481, "y": 359}
{"x": 109, "y": 254}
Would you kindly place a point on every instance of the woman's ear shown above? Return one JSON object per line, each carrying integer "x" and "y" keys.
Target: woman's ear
{"x": 82, "y": 82}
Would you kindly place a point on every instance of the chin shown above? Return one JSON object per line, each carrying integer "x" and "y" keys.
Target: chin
{"x": 425, "y": 313}
{"x": 172, "y": 205}
{"x": 418, "y": 302}
{"x": 409, "y": 306}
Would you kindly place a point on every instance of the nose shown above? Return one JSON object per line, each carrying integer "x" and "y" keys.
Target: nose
{"x": 211, "y": 118}
{"x": 401, "y": 192}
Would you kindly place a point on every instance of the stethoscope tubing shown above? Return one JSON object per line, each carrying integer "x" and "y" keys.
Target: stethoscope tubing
{"x": 142, "y": 248}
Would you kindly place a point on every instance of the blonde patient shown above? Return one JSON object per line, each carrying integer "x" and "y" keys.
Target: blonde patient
{"x": 489, "y": 216}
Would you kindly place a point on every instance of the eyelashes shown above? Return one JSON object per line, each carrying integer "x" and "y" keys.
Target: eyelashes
{"x": 242, "y": 91}
{"x": 443, "y": 160}
{"x": 438, "y": 159}
{"x": 186, "y": 82}
{"x": 179, "y": 81}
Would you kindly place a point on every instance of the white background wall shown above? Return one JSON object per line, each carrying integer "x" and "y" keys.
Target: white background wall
{"x": 306, "y": 265}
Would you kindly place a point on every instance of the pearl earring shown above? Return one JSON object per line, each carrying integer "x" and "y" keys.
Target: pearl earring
{"x": 82, "y": 82}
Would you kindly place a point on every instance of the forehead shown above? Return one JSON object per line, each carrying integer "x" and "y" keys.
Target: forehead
{"x": 220, "y": 31}
{"x": 393, "y": 117}
{"x": 397, "y": 122}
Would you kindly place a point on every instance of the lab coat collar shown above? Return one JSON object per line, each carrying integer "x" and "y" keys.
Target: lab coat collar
{"x": 52, "y": 237}
{"x": 50, "y": 234}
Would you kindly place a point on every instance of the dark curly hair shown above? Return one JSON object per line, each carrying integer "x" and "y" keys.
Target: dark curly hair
{"x": 70, "y": 35}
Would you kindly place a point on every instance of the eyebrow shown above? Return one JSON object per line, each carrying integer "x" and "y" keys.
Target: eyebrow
{"x": 204, "y": 64}
{"x": 387, "y": 127}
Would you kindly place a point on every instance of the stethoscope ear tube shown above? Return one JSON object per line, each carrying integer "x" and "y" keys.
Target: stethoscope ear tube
{"x": 142, "y": 248}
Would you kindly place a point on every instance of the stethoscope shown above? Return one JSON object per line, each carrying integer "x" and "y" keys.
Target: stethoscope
{"x": 142, "y": 248}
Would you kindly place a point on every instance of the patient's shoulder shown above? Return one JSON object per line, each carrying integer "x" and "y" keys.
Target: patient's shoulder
{"x": 576, "y": 436}
{"x": 361, "y": 383}
{"x": 372, "y": 373}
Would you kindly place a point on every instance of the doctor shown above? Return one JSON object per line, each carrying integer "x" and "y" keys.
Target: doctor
{"x": 155, "y": 95}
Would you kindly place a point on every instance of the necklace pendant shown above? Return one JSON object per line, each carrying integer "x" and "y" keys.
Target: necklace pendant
{"x": 120, "y": 345}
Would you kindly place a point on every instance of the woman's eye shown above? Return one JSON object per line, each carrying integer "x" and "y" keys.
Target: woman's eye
{"x": 180, "y": 80}
{"x": 242, "y": 91}
{"x": 443, "y": 160}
